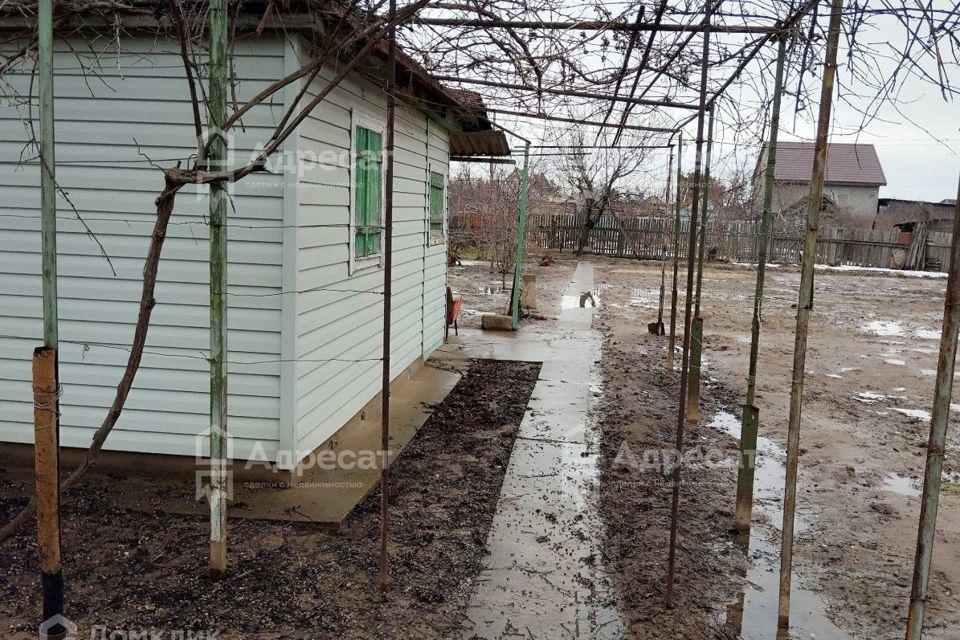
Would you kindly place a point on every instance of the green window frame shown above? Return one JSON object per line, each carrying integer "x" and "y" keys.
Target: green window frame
{"x": 368, "y": 188}
{"x": 436, "y": 206}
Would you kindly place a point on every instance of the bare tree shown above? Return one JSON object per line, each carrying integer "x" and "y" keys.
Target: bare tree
{"x": 595, "y": 179}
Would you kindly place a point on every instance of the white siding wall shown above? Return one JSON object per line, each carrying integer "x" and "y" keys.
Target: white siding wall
{"x": 339, "y": 312}
{"x": 140, "y": 94}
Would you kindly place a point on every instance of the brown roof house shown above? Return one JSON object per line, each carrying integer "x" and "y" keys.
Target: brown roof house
{"x": 851, "y": 189}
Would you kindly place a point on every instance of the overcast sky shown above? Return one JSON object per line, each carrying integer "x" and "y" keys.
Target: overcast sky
{"x": 918, "y": 148}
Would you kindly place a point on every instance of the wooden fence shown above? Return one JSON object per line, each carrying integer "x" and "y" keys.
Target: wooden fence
{"x": 652, "y": 239}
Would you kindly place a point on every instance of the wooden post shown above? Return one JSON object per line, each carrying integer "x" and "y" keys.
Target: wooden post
{"x": 388, "y": 299}
{"x": 688, "y": 310}
{"x": 46, "y": 421}
{"x": 676, "y": 251}
{"x": 750, "y": 418}
{"x": 217, "y": 156}
{"x": 804, "y": 307}
{"x": 696, "y": 342}
{"x": 939, "y": 418}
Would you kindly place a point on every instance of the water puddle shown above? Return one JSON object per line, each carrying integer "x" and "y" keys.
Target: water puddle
{"x": 883, "y": 328}
{"x": 753, "y": 616}
{"x": 584, "y": 300}
{"x": 902, "y": 485}
{"x": 917, "y": 414}
{"x": 491, "y": 290}
{"x": 912, "y": 487}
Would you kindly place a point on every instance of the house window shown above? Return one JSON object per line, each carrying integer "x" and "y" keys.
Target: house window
{"x": 368, "y": 173}
{"x": 436, "y": 208}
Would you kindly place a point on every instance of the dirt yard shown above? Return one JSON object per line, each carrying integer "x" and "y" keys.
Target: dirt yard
{"x": 133, "y": 573}
{"x": 870, "y": 375}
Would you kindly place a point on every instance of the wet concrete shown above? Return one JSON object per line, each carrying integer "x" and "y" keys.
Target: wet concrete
{"x": 543, "y": 575}
{"x": 753, "y": 616}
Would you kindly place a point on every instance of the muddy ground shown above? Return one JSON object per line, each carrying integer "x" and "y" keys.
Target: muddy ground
{"x": 870, "y": 376}
{"x": 128, "y": 570}
{"x": 871, "y": 357}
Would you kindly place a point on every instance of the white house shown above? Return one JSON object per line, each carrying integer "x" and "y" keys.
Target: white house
{"x": 305, "y": 263}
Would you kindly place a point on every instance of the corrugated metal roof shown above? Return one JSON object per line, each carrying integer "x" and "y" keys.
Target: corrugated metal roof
{"x": 853, "y": 164}
{"x": 478, "y": 143}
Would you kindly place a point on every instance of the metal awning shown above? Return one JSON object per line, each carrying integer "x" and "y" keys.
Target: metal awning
{"x": 479, "y": 143}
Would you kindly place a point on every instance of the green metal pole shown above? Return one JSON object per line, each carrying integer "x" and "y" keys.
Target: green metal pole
{"x": 521, "y": 236}
{"x": 936, "y": 447}
{"x": 676, "y": 256}
{"x": 217, "y": 156}
{"x": 804, "y": 308}
{"x": 696, "y": 331}
{"x": 48, "y": 185}
{"x": 750, "y": 418}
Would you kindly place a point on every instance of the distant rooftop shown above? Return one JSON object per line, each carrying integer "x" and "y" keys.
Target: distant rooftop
{"x": 850, "y": 164}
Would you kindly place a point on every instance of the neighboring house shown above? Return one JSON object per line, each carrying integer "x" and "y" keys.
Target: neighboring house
{"x": 305, "y": 246}
{"x": 851, "y": 186}
{"x": 905, "y": 214}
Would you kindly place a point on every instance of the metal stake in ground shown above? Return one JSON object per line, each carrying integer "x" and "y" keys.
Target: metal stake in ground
{"x": 217, "y": 155}
{"x": 656, "y": 328}
{"x": 804, "y": 307}
{"x": 696, "y": 337}
{"x": 688, "y": 309}
{"x": 939, "y": 417}
{"x": 387, "y": 299}
{"x": 671, "y": 346}
{"x": 750, "y": 420}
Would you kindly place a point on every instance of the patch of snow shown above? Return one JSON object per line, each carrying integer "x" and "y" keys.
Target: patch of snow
{"x": 917, "y": 414}
{"x": 927, "y": 334}
{"x": 896, "y": 272}
{"x": 883, "y": 328}
{"x": 872, "y": 397}
{"x": 835, "y": 375}
{"x": 895, "y": 362}
{"x": 928, "y": 372}
{"x": 955, "y": 407}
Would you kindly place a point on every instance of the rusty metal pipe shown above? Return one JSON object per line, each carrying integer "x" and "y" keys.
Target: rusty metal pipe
{"x": 688, "y": 312}
{"x": 804, "y": 307}
{"x": 939, "y": 418}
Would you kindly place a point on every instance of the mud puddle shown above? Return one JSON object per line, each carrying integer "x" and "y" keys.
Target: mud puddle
{"x": 753, "y": 616}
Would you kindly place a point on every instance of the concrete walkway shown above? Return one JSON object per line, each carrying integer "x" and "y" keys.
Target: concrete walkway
{"x": 543, "y": 575}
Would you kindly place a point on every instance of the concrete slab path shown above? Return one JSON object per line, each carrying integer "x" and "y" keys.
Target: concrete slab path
{"x": 543, "y": 575}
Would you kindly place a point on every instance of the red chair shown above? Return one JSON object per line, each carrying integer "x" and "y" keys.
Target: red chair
{"x": 454, "y": 304}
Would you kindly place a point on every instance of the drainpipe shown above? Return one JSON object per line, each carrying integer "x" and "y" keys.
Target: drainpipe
{"x": 521, "y": 235}
{"x": 939, "y": 418}
{"x": 750, "y": 417}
